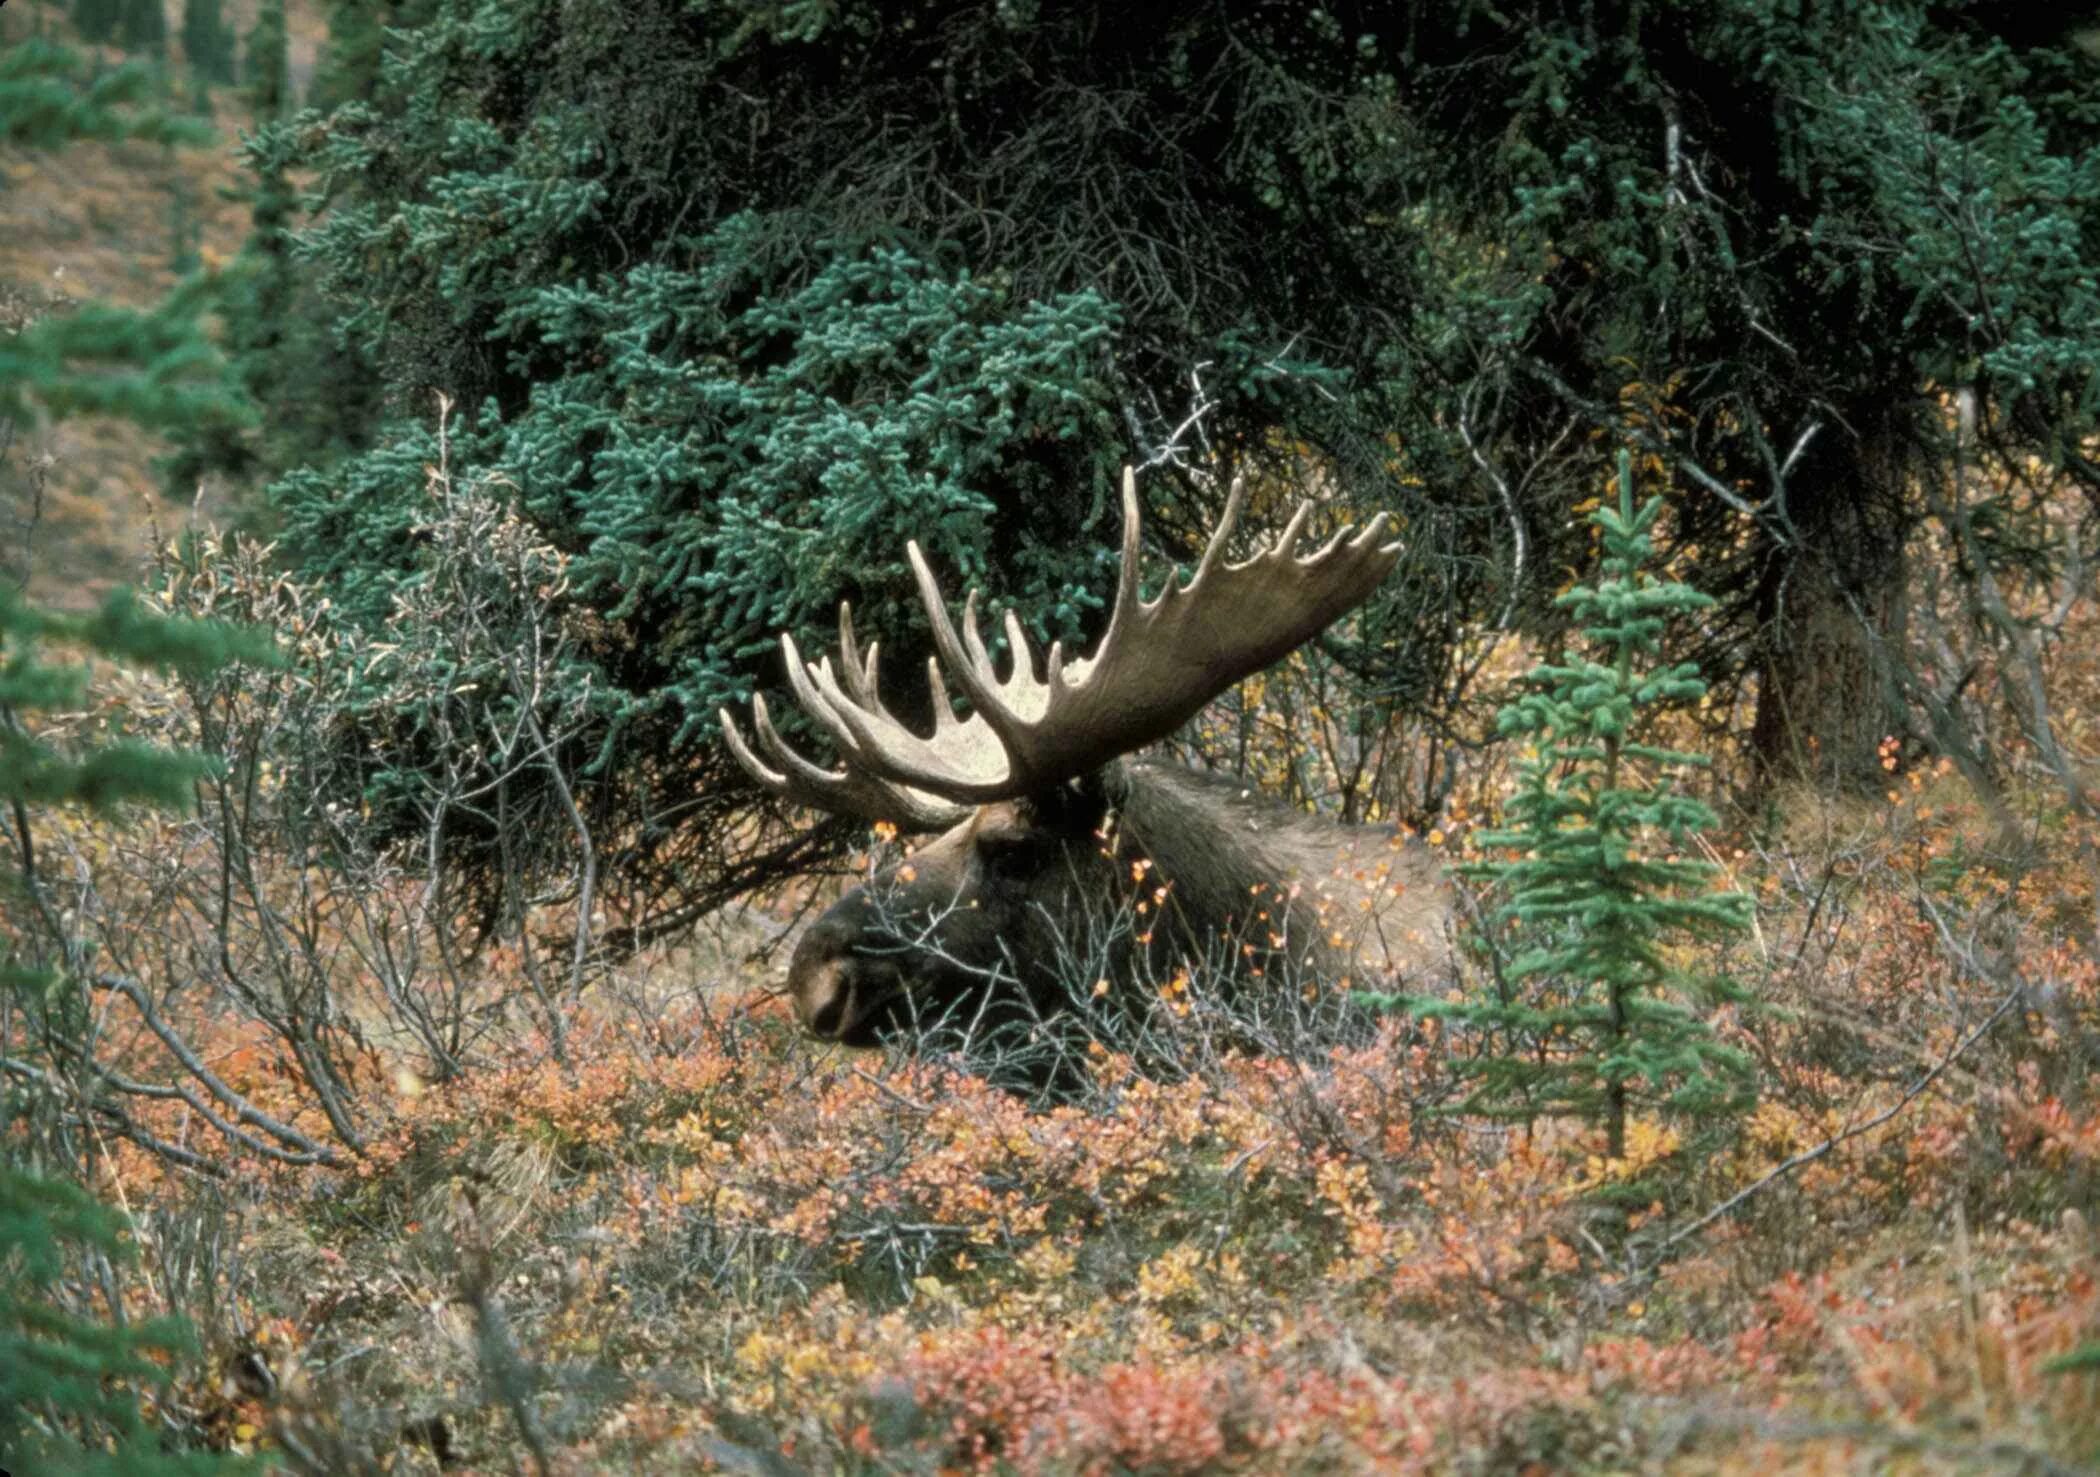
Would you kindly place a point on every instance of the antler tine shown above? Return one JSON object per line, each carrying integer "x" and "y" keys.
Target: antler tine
{"x": 770, "y": 779}
{"x": 1127, "y": 600}
{"x": 799, "y": 771}
{"x": 1162, "y": 660}
{"x": 803, "y": 679}
{"x": 1214, "y": 550}
{"x": 861, "y": 673}
{"x": 1288, "y": 539}
{"x": 961, "y": 661}
{"x": 973, "y": 639}
{"x": 854, "y": 789}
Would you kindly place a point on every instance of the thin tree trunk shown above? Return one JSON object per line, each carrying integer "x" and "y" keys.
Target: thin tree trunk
{"x": 1834, "y": 610}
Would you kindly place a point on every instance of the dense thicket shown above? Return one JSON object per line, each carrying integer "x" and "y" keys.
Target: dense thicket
{"x": 743, "y": 298}
{"x": 1772, "y": 244}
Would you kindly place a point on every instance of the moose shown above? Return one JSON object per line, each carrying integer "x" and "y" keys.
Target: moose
{"x": 1063, "y": 863}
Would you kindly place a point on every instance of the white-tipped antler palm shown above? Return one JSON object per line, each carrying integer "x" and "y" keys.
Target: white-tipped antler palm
{"x": 1158, "y": 664}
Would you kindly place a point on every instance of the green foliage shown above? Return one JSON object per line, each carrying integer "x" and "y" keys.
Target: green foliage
{"x": 151, "y": 368}
{"x": 267, "y": 64}
{"x": 207, "y": 41}
{"x": 349, "y": 67}
{"x": 142, "y": 25}
{"x": 716, "y": 497}
{"x": 1763, "y": 238}
{"x": 314, "y": 398}
{"x": 68, "y": 1382}
{"x": 96, "y": 20}
{"x": 712, "y": 338}
{"x": 154, "y": 368}
{"x": 69, "y": 1385}
{"x": 730, "y": 387}
{"x": 2081, "y": 1360}
{"x": 1592, "y": 1016}
{"x": 34, "y": 772}
{"x": 47, "y": 100}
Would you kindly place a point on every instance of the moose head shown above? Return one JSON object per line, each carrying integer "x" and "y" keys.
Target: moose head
{"x": 1061, "y": 861}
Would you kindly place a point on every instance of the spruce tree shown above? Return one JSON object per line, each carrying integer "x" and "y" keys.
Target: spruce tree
{"x": 207, "y": 41}
{"x": 267, "y": 67}
{"x": 315, "y": 396}
{"x": 47, "y": 98}
{"x": 143, "y": 26}
{"x": 62, "y": 1374}
{"x": 1595, "y": 1017}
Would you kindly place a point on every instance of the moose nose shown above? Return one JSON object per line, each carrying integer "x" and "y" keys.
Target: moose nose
{"x": 822, "y": 979}
{"x": 827, "y": 1016}
{"x": 822, "y": 986}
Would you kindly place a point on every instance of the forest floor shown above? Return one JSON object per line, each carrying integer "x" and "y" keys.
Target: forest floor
{"x": 690, "y": 1239}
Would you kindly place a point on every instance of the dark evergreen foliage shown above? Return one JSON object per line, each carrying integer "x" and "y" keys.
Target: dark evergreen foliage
{"x": 142, "y": 25}
{"x": 62, "y": 1374}
{"x": 47, "y": 98}
{"x": 348, "y": 71}
{"x": 316, "y": 399}
{"x": 1766, "y": 239}
{"x": 97, "y": 20}
{"x": 734, "y": 360}
{"x": 35, "y": 773}
{"x": 266, "y": 66}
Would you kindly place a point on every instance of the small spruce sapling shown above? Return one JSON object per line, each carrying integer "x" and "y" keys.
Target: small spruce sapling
{"x": 1594, "y": 1017}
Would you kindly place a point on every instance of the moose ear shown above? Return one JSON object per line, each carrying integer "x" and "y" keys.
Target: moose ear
{"x": 1084, "y": 799}
{"x": 1077, "y": 805}
{"x": 1107, "y": 787}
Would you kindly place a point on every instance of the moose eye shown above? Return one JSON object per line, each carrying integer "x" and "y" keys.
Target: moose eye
{"x": 1010, "y": 853}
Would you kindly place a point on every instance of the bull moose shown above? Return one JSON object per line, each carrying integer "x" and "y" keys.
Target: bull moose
{"x": 1060, "y": 860}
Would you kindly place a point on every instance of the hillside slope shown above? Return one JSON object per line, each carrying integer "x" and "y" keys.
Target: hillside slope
{"x": 79, "y": 501}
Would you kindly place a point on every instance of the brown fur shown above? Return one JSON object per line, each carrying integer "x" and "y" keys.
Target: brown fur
{"x": 994, "y": 917}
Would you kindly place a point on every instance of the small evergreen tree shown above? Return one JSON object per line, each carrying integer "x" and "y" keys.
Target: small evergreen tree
{"x": 143, "y": 26}
{"x": 207, "y": 41}
{"x": 154, "y": 367}
{"x": 32, "y": 772}
{"x": 348, "y": 70}
{"x": 46, "y": 99}
{"x": 267, "y": 68}
{"x": 1595, "y": 1018}
{"x": 60, "y": 1372}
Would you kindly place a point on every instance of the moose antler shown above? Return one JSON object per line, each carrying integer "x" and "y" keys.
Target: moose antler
{"x": 1159, "y": 663}
{"x": 855, "y": 790}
